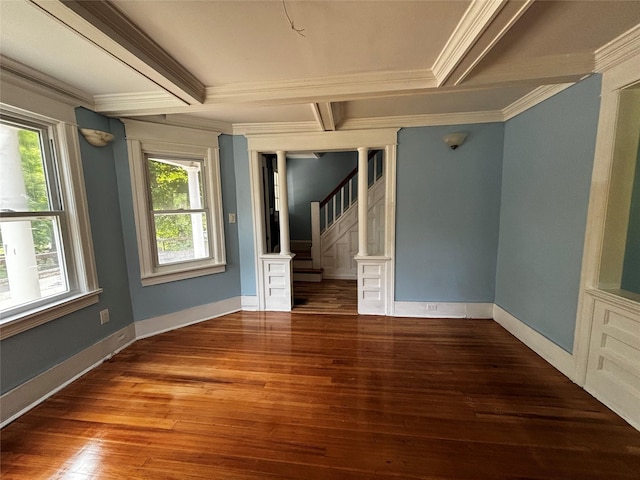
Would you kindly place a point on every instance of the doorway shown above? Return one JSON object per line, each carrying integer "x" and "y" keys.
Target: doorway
{"x": 375, "y": 273}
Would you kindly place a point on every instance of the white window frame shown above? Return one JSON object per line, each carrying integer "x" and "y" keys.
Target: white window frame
{"x": 150, "y": 139}
{"x": 78, "y": 244}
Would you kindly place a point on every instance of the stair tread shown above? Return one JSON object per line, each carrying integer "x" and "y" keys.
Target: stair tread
{"x": 307, "y": 270}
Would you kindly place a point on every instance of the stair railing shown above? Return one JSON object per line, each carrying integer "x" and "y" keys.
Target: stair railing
{"x": 339, "y": 200}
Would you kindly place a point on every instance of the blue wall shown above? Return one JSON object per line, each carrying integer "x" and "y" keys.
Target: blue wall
{"x": 546, "y": 178}
{"x": 245, "y": 216}
{"x": 631, "y": 266}
{"x": 27, "y": 354}
{"x": 156, "y": 300}
{"x": 310, "y": 180}
{"x": 448, "y": 207}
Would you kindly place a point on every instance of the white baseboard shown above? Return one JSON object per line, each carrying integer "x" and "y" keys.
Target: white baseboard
{"x": 36, "y": 390}
{"x": 552, "y": 353}
{"x": 171, "y": 321}
{"x": 443, "y": 310}
{"x": 249, "y": 303}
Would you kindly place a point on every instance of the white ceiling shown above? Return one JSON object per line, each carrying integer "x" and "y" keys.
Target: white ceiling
{"x": 240, "y": 66}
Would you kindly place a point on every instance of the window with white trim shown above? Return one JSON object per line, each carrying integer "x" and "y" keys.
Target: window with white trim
{"x": 175, "y": 176}
{"x": 46, "y": 257}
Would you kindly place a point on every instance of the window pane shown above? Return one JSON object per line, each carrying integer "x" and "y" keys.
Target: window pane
{"x": 31, "y": 261}
{"x": 23, "y": 185}
{"x": 175, "y": 184}
{"x": 181, "y": 236}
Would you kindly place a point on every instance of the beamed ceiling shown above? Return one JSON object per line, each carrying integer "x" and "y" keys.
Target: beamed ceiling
{"x": 239, "y": 66}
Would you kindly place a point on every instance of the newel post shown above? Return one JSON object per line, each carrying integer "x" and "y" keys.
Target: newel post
{"x": 315, "y": 234}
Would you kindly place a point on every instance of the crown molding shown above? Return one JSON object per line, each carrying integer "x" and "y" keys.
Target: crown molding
{"x": 533, "y": 98}
{"x": 275, "y": 127}
{"x": 123, "y": 104}
{"x": 322, "y": 89}
{"x": 103, "y": 24}
{"x": 17, "y": 73}
{"x": 199, "y": 123}
{"x": 187, "y": 121}
{"x": 423, "y": 120}
{"x": 473, "y": 23}
{"x": 618, "y": 50}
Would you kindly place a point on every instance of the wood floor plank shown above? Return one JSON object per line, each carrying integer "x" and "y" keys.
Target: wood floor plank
{"x": 332, "y": 396}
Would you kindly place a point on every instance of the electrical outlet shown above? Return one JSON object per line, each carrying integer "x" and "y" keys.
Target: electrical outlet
{"x": 104, "y": 316}
{"x": 232, "y": 218}
{"x": 432, "y": 307}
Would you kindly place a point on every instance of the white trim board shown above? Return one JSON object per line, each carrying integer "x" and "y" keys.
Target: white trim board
{"x": 443, "y": 310}
{"x": 31, "y": 393}
{"x": 171, "y": 321}
{"x": 549, "y": 351}
{"x": 249, "y": 303}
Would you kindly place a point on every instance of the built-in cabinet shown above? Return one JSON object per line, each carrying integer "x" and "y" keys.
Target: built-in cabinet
{"x": 607, "y": 346}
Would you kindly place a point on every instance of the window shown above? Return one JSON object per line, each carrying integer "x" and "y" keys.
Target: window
{"x": 176, "y": 184}
{"x": 44, "y": 241}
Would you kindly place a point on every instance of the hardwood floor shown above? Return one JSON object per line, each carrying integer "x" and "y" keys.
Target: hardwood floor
{"x": 328, "y": 296}
{"x": 294, "y": 396}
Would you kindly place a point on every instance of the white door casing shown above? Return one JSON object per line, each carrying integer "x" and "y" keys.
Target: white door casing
{"x": 385, "y": 139}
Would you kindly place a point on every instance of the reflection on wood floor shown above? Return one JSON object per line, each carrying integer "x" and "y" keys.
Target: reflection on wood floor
{"x": 328, "y": 296}
{"x": 287, "y": 396}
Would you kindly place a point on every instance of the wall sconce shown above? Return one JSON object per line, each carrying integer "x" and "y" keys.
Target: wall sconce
{"x": 96, "y": 138}
{"x": 454, "y": 140}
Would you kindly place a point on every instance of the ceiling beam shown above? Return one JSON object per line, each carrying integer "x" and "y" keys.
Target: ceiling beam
{"x": 501, "y": 24}
{"x": 104, "y": 25}
{"x": 472, "y": 25}
{"x": 326, "y": 112}
{"x": 547, "y": 70}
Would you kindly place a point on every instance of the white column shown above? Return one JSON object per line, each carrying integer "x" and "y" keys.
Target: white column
{"x": 195, "y": 203}
{"x": 315, "y": 234}
{"x": 20, "y": 254}
{"x": 283, "y": 215}
{"x": 363, "y": 207}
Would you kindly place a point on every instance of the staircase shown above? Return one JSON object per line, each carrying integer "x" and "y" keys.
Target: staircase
{"x": 334, "y": 224}
{"x": 303, "y": 270}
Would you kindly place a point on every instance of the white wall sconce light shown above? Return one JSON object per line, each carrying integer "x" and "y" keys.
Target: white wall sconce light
{"x": 97, "y": 138}
{"x": 454, "y": 140}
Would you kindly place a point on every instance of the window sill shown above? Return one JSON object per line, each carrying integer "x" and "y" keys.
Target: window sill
{"x": 25, "y": 321}
{"x": 183, "y": 274}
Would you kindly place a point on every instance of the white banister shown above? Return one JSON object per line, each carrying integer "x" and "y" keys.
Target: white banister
{"x": 283, "y": 214}
{"x": 333, "y": 209}
{"x": 375, "y": 168}
{"x": 363, "y": 190}
{"x": 339, "y": 206}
